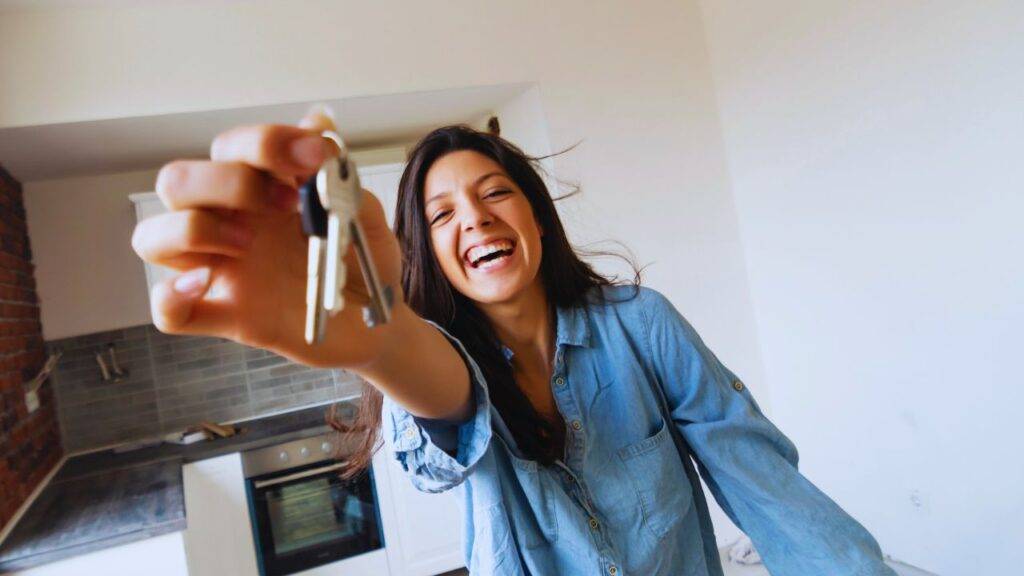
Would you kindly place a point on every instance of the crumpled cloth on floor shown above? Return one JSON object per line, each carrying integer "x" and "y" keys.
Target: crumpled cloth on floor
{"x": 742, "y": 552}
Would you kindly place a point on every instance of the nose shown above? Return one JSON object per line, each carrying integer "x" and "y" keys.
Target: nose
{"x": 475, "y": 215}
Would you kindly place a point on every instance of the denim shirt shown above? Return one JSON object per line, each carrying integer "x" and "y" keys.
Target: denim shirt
{"x": 620, "y": 503}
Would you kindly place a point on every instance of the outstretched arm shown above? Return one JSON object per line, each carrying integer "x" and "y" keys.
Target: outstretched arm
{"x": 749, "y": 465}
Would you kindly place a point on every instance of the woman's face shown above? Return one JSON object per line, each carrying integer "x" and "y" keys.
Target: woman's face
{"x": 482, "y": 227}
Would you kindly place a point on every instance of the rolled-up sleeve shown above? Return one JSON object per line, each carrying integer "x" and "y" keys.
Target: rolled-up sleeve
{"x": 440, "y": 455}
{"x": 749, "y": 465}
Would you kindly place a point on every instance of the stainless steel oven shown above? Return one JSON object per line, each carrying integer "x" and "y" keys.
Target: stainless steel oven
{"x": 303, "y": 514}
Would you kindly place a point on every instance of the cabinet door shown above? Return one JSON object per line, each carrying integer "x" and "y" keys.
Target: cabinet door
{"x": 423, "y": 532}
{"x": 383, "y": 181}
{"x": 219, "y": 538}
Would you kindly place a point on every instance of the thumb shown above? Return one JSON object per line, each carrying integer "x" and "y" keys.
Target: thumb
{"x": 172, "y": 301}
{"x": 318, "y": 118}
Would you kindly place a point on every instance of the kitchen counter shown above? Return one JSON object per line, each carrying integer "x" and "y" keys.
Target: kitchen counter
{"x": 109, "y": 498}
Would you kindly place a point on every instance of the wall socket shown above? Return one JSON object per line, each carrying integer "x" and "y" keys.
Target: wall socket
{"x": 32, "y": 401}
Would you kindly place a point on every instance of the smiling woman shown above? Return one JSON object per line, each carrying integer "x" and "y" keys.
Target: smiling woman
{"x": 585, "y": 477}
{"x": 487, "y": 374}
{"x": 481, "y": 237}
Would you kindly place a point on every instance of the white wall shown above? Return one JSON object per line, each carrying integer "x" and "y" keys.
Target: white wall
{"x": 630, "y": 80}
{"x": 875, "y": 156}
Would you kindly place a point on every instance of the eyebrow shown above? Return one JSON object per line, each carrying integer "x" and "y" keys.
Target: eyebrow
{"x": 477, "y": 182}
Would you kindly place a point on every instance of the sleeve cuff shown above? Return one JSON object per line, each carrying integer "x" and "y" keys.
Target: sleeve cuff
{"x": 439, "y": 455}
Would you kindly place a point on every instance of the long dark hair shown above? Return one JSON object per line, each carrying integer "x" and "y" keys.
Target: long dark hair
{"x": 568, "y": 281}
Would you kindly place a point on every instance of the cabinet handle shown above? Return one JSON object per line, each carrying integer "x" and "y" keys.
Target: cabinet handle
{"x": 304, "y": 474}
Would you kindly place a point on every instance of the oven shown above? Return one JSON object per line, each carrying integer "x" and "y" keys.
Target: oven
{"x": 303, "y": 514}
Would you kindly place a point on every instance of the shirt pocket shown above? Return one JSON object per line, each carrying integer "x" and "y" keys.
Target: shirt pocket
{"x": 532, "y": 511}
{"x": 659, "y": 479}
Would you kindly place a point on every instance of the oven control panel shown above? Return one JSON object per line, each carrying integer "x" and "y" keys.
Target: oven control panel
{"x": 291, "y": 455}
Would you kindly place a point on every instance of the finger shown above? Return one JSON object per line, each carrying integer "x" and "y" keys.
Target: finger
{"x": 172, "y": 301}
{"x": 234, "y": 185}
{"x": 177, "y": 305}
{"x": 285, "y": 151}
{"x": 163, "y": 239}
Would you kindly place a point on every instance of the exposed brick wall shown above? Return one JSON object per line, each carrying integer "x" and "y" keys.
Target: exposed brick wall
{"x": 29, "y": 443}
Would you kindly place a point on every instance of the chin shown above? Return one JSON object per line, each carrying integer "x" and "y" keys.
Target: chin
{"x": 495, "y": 294}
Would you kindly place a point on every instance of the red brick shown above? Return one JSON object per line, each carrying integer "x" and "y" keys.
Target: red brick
{"x": 29, "y": 443}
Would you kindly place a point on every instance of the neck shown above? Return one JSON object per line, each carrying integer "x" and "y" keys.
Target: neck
{"x": 526, "y": 326}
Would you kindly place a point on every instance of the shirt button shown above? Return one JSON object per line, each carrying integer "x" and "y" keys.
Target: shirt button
{"x": 410, "y": 432}
{"x": 737, "y": 386}
{"x": 559, "y": 381}
{"x": 613, "y": 570}
{"x": 577, "y": 425}
{"x": 593, "y": 524}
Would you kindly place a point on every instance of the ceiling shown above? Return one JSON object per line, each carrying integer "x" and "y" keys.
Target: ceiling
{"x": 53, "y": 151}
{"x": 11, "y": 5}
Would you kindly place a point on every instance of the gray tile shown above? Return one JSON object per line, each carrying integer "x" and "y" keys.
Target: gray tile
{"x": 173, "y": 382}
{"x": 263, "y": 362}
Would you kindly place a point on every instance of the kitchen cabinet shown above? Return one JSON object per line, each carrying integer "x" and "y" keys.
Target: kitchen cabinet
{"x": 161, "y": 556}
{"x": 423, "y": 532}
{"x": 218, "y": 539}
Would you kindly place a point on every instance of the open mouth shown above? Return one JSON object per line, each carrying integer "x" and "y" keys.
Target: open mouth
{"x": 489, "y": 255}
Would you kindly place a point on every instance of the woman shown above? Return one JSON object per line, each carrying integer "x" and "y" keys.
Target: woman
{"x": 510, "y": 369}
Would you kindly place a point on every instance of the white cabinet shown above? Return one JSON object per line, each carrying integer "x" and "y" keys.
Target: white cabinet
{"x": 423, "y": 533}
{"x": 158, "y": 556}
{"x": 383, "y": 181}
{"x": 218, "y": 539}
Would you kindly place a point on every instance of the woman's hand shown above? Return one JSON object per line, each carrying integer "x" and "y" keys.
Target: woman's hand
{"x": 234, "y": 231}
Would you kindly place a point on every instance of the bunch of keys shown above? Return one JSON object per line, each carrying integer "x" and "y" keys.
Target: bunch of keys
{"x": 329, "y": 202}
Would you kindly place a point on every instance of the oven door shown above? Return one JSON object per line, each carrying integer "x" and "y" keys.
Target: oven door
{"x": 306, "y": 517}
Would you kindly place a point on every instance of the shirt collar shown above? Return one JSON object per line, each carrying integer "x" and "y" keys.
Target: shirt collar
{"x": 573, "y": 328}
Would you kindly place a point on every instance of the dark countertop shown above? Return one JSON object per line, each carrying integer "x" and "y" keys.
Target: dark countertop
{"x": 109, "y": 498}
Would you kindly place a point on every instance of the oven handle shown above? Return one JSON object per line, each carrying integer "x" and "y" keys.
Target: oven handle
{"x": 304, "y": 474}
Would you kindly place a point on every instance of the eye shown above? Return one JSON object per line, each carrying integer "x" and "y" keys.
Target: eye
{"x": 498, "y": 192}
{"x": 440, "y": 215}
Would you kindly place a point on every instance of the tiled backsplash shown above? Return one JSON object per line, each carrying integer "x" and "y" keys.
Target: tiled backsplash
{"x": 173, "y": 382}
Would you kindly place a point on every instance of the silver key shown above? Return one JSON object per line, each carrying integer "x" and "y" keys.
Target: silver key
{"x": 330, "y": 201}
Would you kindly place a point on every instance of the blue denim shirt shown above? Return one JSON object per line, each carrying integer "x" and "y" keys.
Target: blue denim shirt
{"x": 620, "y": 503}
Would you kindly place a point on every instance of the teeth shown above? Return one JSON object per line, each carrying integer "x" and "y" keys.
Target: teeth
{"x": 478, "y": 252}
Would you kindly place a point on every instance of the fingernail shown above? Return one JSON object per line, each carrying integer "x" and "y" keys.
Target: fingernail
{"x": 308, "y": 151}
{"x": 283, "y": 196}
{"x": 193, "y": 282}
{"x": 236, "y": 234}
